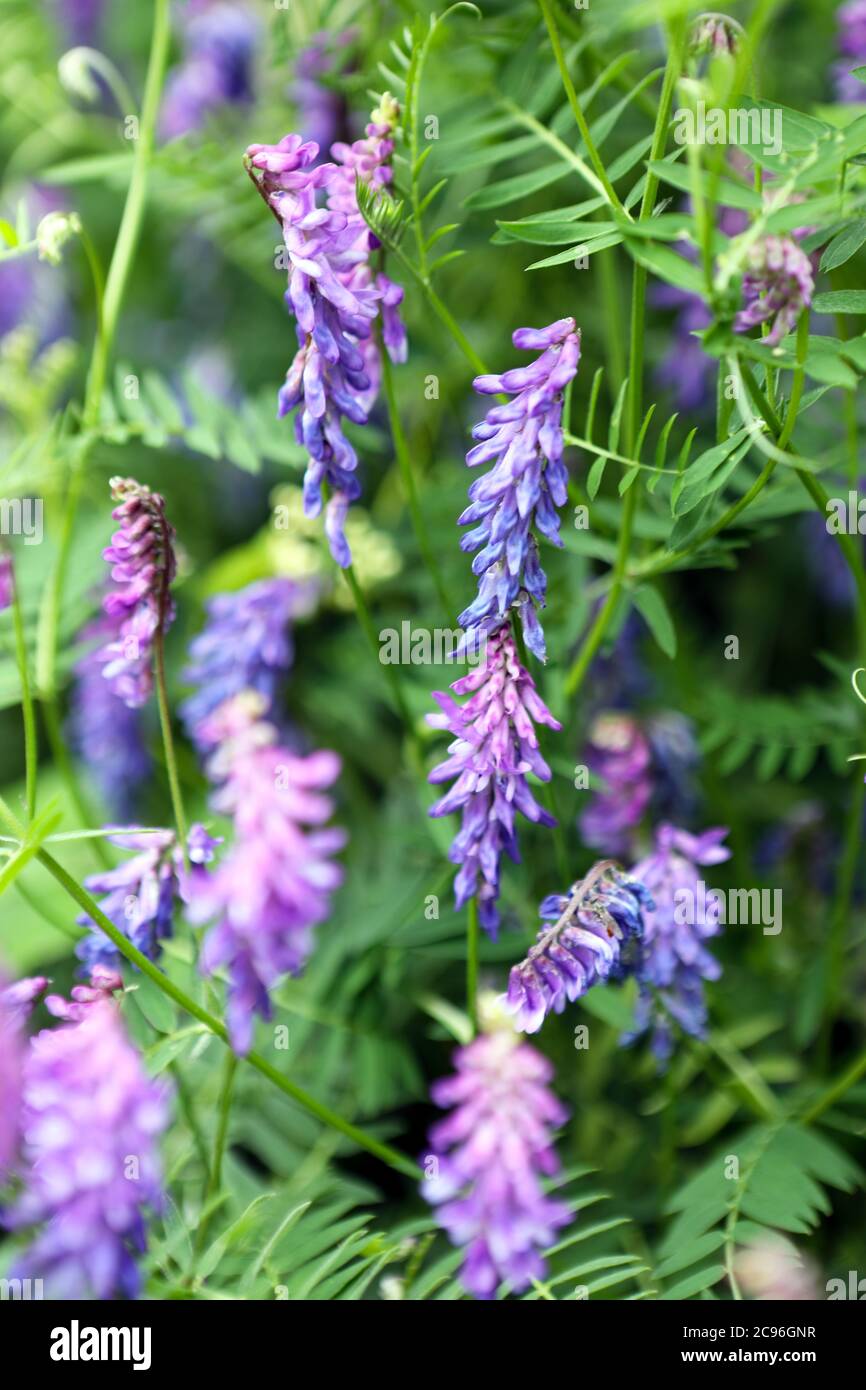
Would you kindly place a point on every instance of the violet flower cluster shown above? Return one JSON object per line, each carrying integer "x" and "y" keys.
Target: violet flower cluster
{"x": 139, "y": 895}
{"x": 106, "y": 733}
{"x": 220, "y": 42}
{"x": 852, "y": 46}
{"x": 90, "y": 1123}
{"x": 489, "y": 1156}
{"x": 246, "y": 644}
{"x": 644, "y": 766}
{"x": 143, "y": 564}
{"x": 275, "y": 884}
{"x": 495, "y": 746}
{"x": 674, "y": 961}
{"x": 527, "y": 483}
{"x": 595, "y": 926}
{"x": 335, "y": 299}
{"x": 778, "y": 284}
{"x": 618, "y": 753}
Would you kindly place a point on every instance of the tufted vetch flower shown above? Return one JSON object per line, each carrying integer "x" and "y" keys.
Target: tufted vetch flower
{"x": 489, "y": 1156}
{"x": 274, "y": 886}
{"x": 528, "y": 481}
{"x": 495, "y": 747}
{"x": 594, "y": 926}
{"x": 778, "y": 284}
{"x": 674, "y": 961}
{"x": 143, "y": 567}
{"x": 91, "y": 1119}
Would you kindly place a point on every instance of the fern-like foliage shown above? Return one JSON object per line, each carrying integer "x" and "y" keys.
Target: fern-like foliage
{"x": 769, "y": 1178}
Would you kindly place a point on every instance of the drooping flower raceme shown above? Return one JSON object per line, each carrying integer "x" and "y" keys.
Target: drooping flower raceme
{"x": 489, "y": 1155}
{"x": 275, "y": 884}
{"x": 852, "y": 46}
{"x": 143, "y": 566}
{"x": 495, "y": 746}
{"x": 527, "y": 483}
{"x": 594, "y": 926}
{"x": 335, "y": 299}
{"x": 618, "y": 753}
{"x": 674, "y": 961}
{"x": 91, "y": 1118}
{"x": 245, "y": 645}
{"x": 778, "y": 285}
{"x": 140, "y": 894}
{"x": 220, "y": 42}
{"x": 105, "y": 732}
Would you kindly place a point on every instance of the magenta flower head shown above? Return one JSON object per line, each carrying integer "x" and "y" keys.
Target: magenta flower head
{"x": 526, "y": 484}
{"x": 16, "y": 1002}
{"x": 778, "y": 285}
{"x": 619, "y": 756}
{"x": 91, "y": 1118}
{"x": 674, "y": 961}
{"x": 495, "y": 746}
{"x": 143, "y": 567}
{"x": 7, "y": 580}
{"x": 594, "y": 926}
{"x": 275, "y": 884}
{"x": 489, "y": 1155}
{"x": 335, "y": 298}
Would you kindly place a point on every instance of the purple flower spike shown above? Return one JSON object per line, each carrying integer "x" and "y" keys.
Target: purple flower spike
{"x": 140, "y": 894}
{"x": 143, "y": 564}
{"x": 245, "y": 645}
{"x": 7, "y": 580}
{"x": 90, "y": 1122}
{"x": 220, "y": 42}
{"x": 852, "y": 45}
{"x": 593, "y": 923}
{"x": 495, "y": 747}
{"x": 619, "y": 754}
{"x": 335, "y": 298}
{"x": 275, "y": 884}
{"x": 527, "y": 483}
{"x": 778, "y": 284}
{"x": 488, "y": 1158}
{"x": 674, "y": 962}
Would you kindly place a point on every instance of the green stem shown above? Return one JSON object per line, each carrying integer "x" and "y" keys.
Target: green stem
{"x": 31, "y": 751}
{"x": 838, "y": 1089}
{"x": 168, "y": 742}
{"x": 215, "y": 1170}
{"x": 577, "y": 112}
{"x": 598, "y": 630}
{"x": 407, "y": 473}
{"x": 392, "y": 1157}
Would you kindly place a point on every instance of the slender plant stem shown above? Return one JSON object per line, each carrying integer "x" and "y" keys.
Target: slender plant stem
{"x": 585, "y": 134}
{"x": 407, "y": 472}
{"x": 31, "y": 750}
{"x": 598, "y": 630}
{"x": 837, "y": 1090}
{"x": 168, "y": 742}
{"x": 214, "y": 1179}
{"x": 392, "y": 1157}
